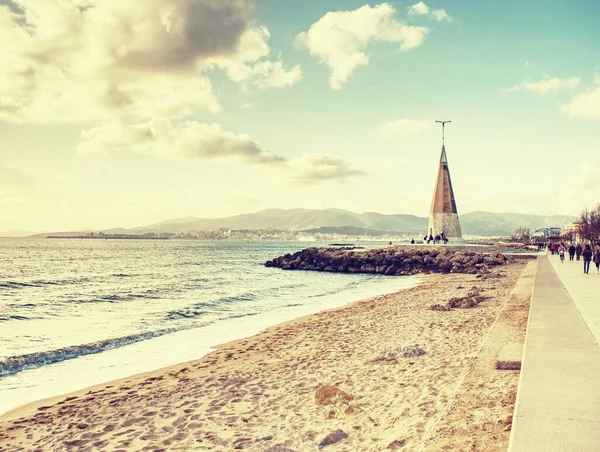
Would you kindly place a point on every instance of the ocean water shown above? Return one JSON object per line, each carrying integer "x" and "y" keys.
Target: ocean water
{"x": 74, "y": 313}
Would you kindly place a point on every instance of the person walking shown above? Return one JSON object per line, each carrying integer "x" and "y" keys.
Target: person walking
{"x": 571, "y": 252}
{"x": 578, "y": 251}
{"x": 597, "y": 259}
{"x": 587, "y": 258}
{"x": 561, "y": 253}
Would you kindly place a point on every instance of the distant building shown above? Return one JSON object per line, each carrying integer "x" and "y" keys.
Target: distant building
{"x": 546, "y": 233}
{"x": 443, "y": 217}
{"x": 571, "y": 231}
{"x": 521, "y": 233}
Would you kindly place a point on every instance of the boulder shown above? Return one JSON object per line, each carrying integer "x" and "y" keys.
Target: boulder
{"x": 428, "y": 260}
{"x": 391, "y": 270}
{"x": 444, "y": 265}
{"x": 329, "y": 394}
{"x": 381, "y": 269}
{"x": 412, "y": 351}
{"x": 462, "y": 302}
{"x": 333, "y": 438}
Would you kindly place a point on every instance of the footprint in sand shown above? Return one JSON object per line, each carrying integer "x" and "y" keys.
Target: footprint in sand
{"x": 179, "y": 437}
{"x": 100, "y": 444}
{"x": 133, "y": 421}
{"x": 125, "y": 432}
{"x": 76, "y": 443}
{"x": 179, "y": 422}
{"x": 150, "y": 437}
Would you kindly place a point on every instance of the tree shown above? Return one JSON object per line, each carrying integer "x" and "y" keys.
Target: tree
{"x": 589, "y": 224}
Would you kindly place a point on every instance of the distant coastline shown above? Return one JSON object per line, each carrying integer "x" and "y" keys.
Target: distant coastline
{"x": 108, "y": 237}
{"x": 330, "y": 225}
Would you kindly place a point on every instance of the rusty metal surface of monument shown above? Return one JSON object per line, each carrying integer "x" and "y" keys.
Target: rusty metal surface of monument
{"x": 443, "y": 217}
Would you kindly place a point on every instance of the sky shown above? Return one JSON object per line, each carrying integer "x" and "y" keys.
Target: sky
{"x": 121, "y": 113}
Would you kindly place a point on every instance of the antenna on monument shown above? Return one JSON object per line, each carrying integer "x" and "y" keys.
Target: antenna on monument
{"x": 443, "y": 158}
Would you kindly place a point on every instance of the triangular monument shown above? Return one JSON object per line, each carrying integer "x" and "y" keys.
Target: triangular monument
{"x": 443, "y": 218}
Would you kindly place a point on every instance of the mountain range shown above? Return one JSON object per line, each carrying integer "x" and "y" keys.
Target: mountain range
{"x": 341, "y": 221}
{"x": 16, "y": 233}
{"x": 474, "y": 223}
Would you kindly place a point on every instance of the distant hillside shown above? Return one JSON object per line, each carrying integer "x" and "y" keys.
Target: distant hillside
{"x": 347, "y": 230}
{"x": 16, "y": 233}
{"x": 474, "y": 223}
{"x": 296, "y": 220}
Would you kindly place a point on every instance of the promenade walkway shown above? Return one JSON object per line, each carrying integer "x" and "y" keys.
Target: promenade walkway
{"x": 558, "y": 401}
{"x": 583, "y": 289}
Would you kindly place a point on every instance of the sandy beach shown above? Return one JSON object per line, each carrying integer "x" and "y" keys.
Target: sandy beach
{"x": 381, "y": 374}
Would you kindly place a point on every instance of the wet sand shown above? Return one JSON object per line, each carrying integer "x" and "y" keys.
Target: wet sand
{"x": 380, "y": 374}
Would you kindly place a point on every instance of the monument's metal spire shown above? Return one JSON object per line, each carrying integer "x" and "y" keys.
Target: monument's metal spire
{"x": 443, "y": 158}
{"x": 443, "y": 218}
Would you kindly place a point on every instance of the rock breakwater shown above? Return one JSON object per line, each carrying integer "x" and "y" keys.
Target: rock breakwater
{"x": 389, "y": 261}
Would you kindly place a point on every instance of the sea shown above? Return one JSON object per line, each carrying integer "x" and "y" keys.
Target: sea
{"x": 79, "y": 312}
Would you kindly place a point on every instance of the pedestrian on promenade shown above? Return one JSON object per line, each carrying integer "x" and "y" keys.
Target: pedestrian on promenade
{"x": 587, "y": 258}
{"x": 578, "y": 251}
{"x": 597, "y": 259}
{"x": 571, "y": 252}
{"x": 561, "y": 253}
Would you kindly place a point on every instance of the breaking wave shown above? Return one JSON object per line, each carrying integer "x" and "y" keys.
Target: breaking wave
{"x": 14, "y": 364}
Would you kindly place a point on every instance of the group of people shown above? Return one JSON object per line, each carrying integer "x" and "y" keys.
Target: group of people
{"x": 586, "y": 253}
{"x": 436, "y": 239}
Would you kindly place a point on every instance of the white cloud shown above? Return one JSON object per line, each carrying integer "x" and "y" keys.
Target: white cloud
{"x": 547, "y": 85}
{"x": 76, "y": 61}
{"x": 189, "y": 140}
{"x": 195, "y": 140}
{"x": 403, "y": 127}
{"x": 311, "y": 168}
{"x": 586, "y": 105}
{"x": 264, "y": 74}
{"x": 418, "y": 9}
{"x": 249, "y": 67}
{"x": 339, "y": 39}
{"x": 421, "y": 9}
{"x": 440, "y": 15}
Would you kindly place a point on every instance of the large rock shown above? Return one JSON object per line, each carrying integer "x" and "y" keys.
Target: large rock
{"x": 329, "y": 395}
{"x": 412, "y": 351}
{"x": 333, "y": 438}
{"x": 391, "y": 270}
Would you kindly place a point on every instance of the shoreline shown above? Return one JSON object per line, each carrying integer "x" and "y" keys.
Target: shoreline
{"x": 259, "y": 391}
{"x": 91, "y": 370}
{"x": 31, "y": 407}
